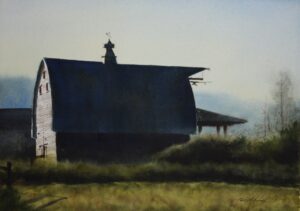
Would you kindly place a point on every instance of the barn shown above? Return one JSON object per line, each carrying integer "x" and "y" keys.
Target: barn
{"x": 110, "y": 112}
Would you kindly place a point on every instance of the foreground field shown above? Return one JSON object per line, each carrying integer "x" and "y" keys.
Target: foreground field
{"x": 161, "y": 196}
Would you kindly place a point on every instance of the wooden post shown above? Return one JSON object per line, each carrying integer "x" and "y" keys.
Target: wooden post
{"x": 218, "y": 130}
{"x": 225, "y": 130}
{"x": 199, "y": 129}
{"x": 9, "y": 180}
{"x": 8, "y": 170}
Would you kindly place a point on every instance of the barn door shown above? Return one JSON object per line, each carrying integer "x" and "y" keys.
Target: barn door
{"x": 43, "y": 146}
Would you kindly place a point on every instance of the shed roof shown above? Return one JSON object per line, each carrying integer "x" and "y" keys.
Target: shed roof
{"x": 15, "y": 119}
{"x": 121, "y": 98}
{"x": 209, "y": 118}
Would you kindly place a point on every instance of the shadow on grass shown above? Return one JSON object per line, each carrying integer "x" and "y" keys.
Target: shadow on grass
{"x": 10, "y": 199}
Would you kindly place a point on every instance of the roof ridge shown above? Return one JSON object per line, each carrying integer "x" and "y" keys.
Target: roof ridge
{"x": 72, "y": 60}
{"x": 137, "y": 65}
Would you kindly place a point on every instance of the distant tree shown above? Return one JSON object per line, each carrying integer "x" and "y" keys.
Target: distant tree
{"x": 264, "y": 126}
{"x": 267, "y": 128}
{"x": 280, "y": 114}
{"x": 284, "y": 110}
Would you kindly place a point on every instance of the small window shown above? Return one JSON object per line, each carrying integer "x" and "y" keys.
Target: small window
{"x": 40, "y": 89}
{"x": 44, "y": 74}
{"x": 47, "y": 87}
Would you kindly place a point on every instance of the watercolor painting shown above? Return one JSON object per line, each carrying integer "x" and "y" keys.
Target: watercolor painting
{"x": 149, "y": 105}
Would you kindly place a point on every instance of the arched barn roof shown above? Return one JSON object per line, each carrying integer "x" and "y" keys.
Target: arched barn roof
{"x": 118, "y": 98}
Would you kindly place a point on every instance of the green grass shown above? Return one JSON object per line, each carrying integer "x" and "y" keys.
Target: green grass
{"x": 74, "y": 173}
{"x": 162, "y": 196}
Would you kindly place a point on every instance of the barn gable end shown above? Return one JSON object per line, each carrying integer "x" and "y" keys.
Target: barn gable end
{"x": 42, "y": 131}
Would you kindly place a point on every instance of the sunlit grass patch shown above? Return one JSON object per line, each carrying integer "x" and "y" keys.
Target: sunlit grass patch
{"x": 165, "y": 196}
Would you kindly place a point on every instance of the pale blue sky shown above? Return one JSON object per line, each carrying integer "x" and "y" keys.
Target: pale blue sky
{"x": 244, "y": 42}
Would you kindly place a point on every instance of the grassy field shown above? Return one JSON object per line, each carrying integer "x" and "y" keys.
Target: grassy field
{"x": 161, "y": 196}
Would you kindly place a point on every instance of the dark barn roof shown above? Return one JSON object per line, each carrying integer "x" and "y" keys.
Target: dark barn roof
{"x": 209, "y": 118}
{"x": 105, "y": 98}
{"x": 15, "y": 119}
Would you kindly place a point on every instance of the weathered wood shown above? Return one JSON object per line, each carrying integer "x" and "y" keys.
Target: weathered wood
{"x": 45, "y": 140}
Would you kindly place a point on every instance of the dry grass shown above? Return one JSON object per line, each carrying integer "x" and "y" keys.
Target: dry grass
{"x": 164, "y": 196}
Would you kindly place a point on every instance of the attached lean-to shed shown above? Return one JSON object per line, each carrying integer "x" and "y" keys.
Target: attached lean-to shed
{"x": 15, "y": 135}
{"x": 212, "y": 119}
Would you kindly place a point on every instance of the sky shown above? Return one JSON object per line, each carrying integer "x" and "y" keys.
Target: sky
{"x": 245, "y": 43}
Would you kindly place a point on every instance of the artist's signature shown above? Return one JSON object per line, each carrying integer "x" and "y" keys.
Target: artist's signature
{"x": 253, "y": 199}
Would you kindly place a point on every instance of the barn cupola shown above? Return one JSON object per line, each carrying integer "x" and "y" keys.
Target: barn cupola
{"x": 110, "y": 57}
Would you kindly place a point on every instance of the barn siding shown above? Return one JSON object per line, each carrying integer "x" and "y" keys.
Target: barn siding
{"x": 44, "y": 133}
{"x": 113, "y": 148}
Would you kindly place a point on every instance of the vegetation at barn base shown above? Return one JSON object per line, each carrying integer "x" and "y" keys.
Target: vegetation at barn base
{"x": 237, "y": 160}
{"x": 206, "y": 196}
{"x": 282, "y": 149}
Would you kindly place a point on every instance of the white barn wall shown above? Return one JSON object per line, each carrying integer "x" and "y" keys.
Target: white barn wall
{"x": 45, "y": 134}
